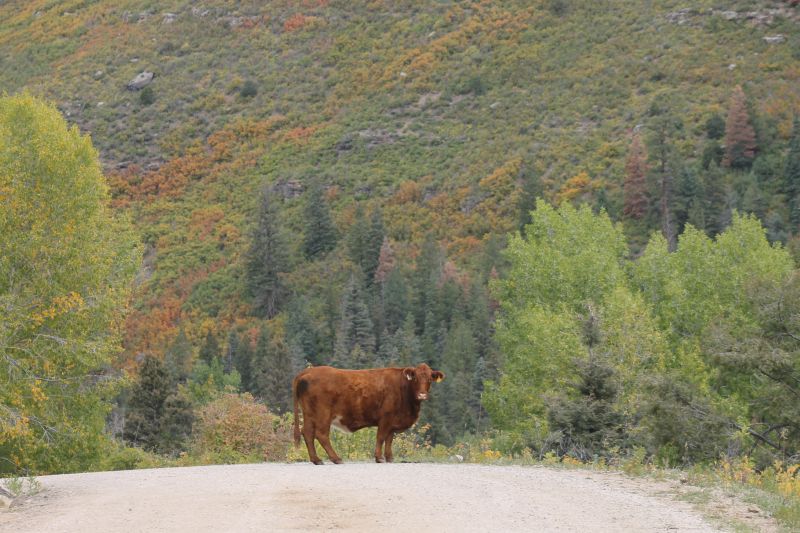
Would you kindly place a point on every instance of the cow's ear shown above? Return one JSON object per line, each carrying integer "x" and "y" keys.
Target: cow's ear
{"x": 437, "y": 376}
{"x": 409, "y": 373}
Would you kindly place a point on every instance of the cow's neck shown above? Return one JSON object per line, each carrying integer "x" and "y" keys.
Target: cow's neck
{"x": 412, "y": 404}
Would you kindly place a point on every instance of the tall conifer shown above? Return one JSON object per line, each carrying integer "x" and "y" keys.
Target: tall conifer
{"x": 266, "y": 259}
{"x": 740, "y": 138}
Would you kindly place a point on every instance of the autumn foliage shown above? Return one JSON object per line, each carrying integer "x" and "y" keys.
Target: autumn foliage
{"x": 740, "y": 138}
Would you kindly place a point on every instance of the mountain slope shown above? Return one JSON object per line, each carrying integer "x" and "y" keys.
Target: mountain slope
{"x": 438, "y": 114}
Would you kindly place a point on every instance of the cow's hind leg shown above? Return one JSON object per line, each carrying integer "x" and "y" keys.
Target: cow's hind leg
{"x": 388, "y": 447}
{"x": 323, "y": 436}
{"x": 383, "y": 433}
{"x": 308, "y": 436}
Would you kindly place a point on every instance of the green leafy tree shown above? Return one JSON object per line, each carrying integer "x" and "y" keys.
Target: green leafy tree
{"x": 267, "y": 259}
{"x": 66, "y": 263}
{"x": 320, "y": 234}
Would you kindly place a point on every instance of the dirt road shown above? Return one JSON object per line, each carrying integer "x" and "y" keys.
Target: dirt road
{"x": 358, "y": 497}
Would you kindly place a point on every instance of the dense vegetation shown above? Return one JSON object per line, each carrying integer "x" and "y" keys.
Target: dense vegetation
{"x": 355, "y": 183}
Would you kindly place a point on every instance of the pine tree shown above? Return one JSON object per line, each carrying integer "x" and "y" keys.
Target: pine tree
{"x": 266, "y": 259}
{"x": 355, "y": 327}
{"x": 364, "y": 242}
{"x": 635, "y": 187}
{"x": 395, "y": 299}
{"x": 146, "y": 407}
{"x": 231, "y": 351}
{"x": 689, "y": 199}
{"x": 260, "y": 363}
{"x": 531, "y": 190}
{"x": 301, "y": 334}
{"x": 178, "y": 358}
{"x": 320, "y": 234}
{"x": 664, "y": 127}
{"x": 740, "y": 138}
{"x": 375, "y": 238}
{"x": 273, "y": 371}
{"x": 386, "y": 261}
{"x": 716, "y": 210}
{"x": 243, "y": 362}
{"x": 176, "y": 423}
{"x": 426, "y": 279}
{"x": 210, "y": 348}
{"x": 791, "y": 176}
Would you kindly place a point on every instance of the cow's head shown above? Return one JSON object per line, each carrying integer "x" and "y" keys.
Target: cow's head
{"x": 421, "y": 378}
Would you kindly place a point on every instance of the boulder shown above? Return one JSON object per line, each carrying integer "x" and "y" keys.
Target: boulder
{"x": 142, "y": 80}
{"x": 730, "y": 15}
{"x": 169, "y": 18}
{"x": 775, "y": 39}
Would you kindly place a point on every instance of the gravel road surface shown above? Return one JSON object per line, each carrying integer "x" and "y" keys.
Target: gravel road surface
{"x": 355, "y": 497}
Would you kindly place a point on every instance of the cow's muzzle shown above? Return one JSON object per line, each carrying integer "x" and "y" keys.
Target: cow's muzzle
{"x": 422, "y": 396}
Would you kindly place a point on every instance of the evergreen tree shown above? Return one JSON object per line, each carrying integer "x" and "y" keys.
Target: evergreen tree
{"x": 320, "y": 234}
{"x": 301, "y": 334}
{"x": 395, "y": 300}
{"x": 531, "y": 190}
{"x": 689, "y": 199}
{"x": 243, "y": 362}
{"x": 146, "y": 407}
{"x": 176, "y": 423}
{"x": 426, "y": 279}
{"x": 210, "y": 348}
{"x": 791, "y": 176}
{"x": 355, "y": 328}
{"x": 178, "y": 358}
{"x": 635, "y": 187}
{"x": 740, "y": 138}
{"x": 364, "y": 242}
{"x": 386, "y": 262}
{"x": 260, "y": 363}
{"x": 375, "y": 238}
{"x": 266, "y": 259}
{"x": 717, "y": 213}
{"x": 231, "y": 351}
{"x": 715, "y": 127}
{"x": 664, "y": 128}
{"x": 273, "y": 371}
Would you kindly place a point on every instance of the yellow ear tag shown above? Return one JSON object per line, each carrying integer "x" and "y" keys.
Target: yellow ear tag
{"x": 438, "y": 380}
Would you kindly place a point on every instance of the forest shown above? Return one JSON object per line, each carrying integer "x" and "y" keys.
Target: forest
{"x": 595, "y": 238}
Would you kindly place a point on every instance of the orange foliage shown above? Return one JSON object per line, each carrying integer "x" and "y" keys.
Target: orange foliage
{"x": 408, "y": 191}
{"x": 578, "y": 187}
{"x": 295, "y": 22}
{"x": 300, "y": 134}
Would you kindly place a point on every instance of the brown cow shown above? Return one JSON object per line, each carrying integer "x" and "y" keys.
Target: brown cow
{"x": 388, "y": 398}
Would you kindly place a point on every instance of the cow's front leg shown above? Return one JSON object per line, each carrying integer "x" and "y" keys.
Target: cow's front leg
{"x": 383, "y": 433}
{"x": 388, "y": 447}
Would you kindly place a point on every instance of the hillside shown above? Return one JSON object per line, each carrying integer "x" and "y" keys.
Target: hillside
{"x": 433, "y": 125}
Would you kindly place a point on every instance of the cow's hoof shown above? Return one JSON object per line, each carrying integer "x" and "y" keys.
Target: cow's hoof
{"x": 389, "y": 459}
{"x": 337, "y": 461}
{"x": 379, "y": 460}
{"x": 316, "y": 461}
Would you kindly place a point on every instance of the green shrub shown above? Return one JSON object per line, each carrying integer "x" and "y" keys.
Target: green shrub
{"x": 249, "y": 89}
{"x": 147, "y": 96}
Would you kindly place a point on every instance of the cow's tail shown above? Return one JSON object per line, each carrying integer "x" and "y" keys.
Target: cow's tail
{"x": 296, "y": 414}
